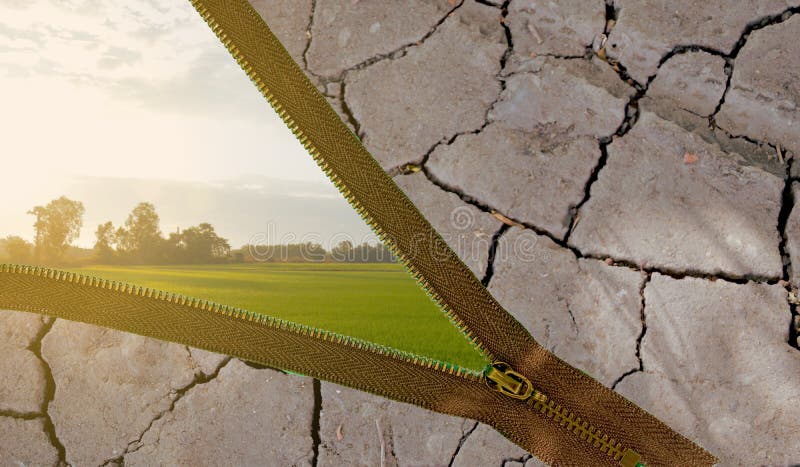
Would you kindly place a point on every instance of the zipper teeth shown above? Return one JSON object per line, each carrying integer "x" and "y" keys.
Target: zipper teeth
{"x": 575, "y": 424}
{"x": 240, "y": 314}
{"x": 334, "y": 178}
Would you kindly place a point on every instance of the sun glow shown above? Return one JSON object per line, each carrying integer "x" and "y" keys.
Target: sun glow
{"x": 95, "y": 92}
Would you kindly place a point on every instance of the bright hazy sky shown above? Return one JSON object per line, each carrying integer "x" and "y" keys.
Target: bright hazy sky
{"x": 113, "y": 103}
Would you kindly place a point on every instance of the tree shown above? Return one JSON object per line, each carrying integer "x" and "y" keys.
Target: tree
{"x": 173, "y": 249}
{"x": 18, "y": 250}
{"x": 104, "y": 246}
{"x": 312, "y": 252}
{"x": 366, "y": 253}
{"x": 140, "y": 239}
{"x": 57, "y": 225}
{"x": 342, "y": 252}
{"x": 201, "y": 244}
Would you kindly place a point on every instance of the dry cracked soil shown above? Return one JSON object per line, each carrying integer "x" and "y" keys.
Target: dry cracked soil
{"x": 631, "y": 164}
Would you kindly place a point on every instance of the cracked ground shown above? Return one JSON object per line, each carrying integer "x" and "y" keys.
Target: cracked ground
{"x": 642, "y": 153}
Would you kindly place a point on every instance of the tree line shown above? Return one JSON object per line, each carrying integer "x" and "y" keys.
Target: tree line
{"x": 344, "y": 252}
{"x": 140, "y": 241}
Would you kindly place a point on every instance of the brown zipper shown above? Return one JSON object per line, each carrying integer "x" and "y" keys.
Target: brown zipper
{"x": 544, "y": 405}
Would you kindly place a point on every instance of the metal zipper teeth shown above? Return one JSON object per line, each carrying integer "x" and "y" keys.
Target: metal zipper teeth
{"x": 553, "y": 411}
{"x": 319, "y": 159}
{"x": 575, "y": 424}
{"x": 241, "y": 314}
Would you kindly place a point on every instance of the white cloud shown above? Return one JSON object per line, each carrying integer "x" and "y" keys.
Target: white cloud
{"x": 160, "y": 54}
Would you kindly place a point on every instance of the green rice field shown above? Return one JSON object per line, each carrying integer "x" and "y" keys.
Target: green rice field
{"x": 380, "y": 303}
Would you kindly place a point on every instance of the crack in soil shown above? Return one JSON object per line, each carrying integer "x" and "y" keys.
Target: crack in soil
{"x": 612, "y": 14}
{"x": 574, "y": 210}
{"x": 787, "y": 206}
{"x": 387, "y": 444}
{"x": 572, "y": 316}
{"x": 684, "y": 273}
{"x": 487, "y": 276}
{"x": 643, "y": 318}
{"x": 339, "y": 79}
{"x": 50, "y": 392}
{"x": 509, "y": 39}
{"x": 398, "y": 52}
{"x": 631, "y": 116}
{"x": 351, "y": 118}
{"x": 491, "y": 4}
{"x": 135, "y": 445}
{"x": 20, "y": 415}
{"x": 461, "y": 442}
{"x": 258, "y": 366}
{"x": 730, "y": 58}
{"x": 519, "y": 460}
{"x": 316, "y": 439}
{"x": 670, "y": 272}
{"x": 749, "y": 140}
{"x": 309, "y": 33}
{"x": 413, "y": 166}
{"x": 632, "y": 112}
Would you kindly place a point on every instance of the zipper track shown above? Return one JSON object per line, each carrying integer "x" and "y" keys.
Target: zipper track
{"x": 242, "y": 314}
{"x": 580, "y": 427}
{"x": 552, "y": 410}
{"x": 320, "y": 161}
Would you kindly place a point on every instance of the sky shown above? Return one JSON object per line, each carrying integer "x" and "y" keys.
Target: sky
{"x": 113, "y": 103}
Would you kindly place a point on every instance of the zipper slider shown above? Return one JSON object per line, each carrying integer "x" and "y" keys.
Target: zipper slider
{"x": 501, "y": 378}
{"x": 631, "y": 458}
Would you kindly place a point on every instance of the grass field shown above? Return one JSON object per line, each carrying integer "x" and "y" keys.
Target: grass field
{"x": 377, "y": 302}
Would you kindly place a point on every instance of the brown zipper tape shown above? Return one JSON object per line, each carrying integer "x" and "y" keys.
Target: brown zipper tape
{"x": 580, "y": 423}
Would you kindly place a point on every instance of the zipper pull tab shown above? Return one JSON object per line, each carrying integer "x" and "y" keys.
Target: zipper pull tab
{"x": 500, "y": 377}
